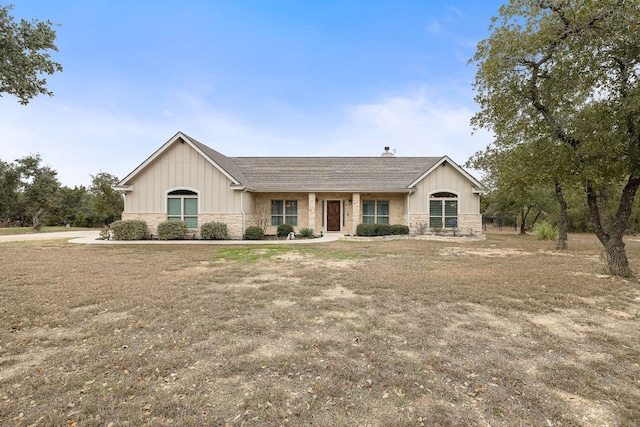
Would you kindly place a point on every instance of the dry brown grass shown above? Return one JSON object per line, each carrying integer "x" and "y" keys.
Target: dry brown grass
{"x": 504, "y": 331}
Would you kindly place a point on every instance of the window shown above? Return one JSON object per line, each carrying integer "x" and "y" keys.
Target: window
{"x": 182, "y": 205}
{"x": 284, "y": 212}
{"x": 375, "y": 211}
{"x": 443, "y": 210}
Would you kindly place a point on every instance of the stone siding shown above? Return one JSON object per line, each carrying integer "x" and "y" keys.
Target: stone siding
{"x": 233, "y": 221}
{"x": 468, "y": 224}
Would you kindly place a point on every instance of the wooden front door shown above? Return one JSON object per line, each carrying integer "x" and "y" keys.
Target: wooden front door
{"x": 333, "y": 215}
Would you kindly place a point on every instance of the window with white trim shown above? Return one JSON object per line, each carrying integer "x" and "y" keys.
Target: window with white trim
{"x": 443, "y": 210}
{"x": 182, "y": 205}
{"x": 375, "y": 211}
{"x": 284, "y": 212}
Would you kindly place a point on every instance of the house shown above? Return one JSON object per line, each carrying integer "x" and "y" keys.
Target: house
{"x": 186, "y": 180}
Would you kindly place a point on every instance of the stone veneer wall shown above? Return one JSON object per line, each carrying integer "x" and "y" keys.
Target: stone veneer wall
{"x": 467, "y": 223}
{"x": 152, "y": 220}
{"x": 233, "y": 221}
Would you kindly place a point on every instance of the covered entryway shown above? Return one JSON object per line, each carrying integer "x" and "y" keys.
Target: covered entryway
{"x": 333, "y": 215}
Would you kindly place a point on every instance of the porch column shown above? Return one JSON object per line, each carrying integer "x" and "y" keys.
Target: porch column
{"x": 312, "y": 212}
{"x": 355, "y": 212}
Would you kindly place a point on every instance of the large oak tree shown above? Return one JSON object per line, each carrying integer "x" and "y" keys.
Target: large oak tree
{"x": 568, "y": 71}
{"x": 25, "y": 57}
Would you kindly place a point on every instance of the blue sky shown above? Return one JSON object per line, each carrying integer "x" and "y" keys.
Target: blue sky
{"x": 250, "y": 78}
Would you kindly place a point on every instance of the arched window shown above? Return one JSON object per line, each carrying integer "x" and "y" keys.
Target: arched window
{"x": 182, "y": 205}
{"x": 443, "y": 210}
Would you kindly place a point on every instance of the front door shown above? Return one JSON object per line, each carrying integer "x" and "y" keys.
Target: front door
{"x": 333, "y": 215}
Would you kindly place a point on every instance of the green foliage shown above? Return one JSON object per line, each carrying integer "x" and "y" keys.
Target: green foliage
{"x": 73, "y": 208}
{"x": 365, "y": 230}
{"x": 9, "y": 183}
{"x": 172, "y": 230}
{"x": 558, "y": 84}
{"x": 284, "y": 230}
{"x": 545, "y": 231}
{"x": 131, "y": 229}
{"x": 213, "y": 231}
{"x": 25, "y": 48}
{"x": 306, "y": 232}
{"x": 399, "y": 229}
{"x": 254, "y": 233}
{"x": 381, "y": 229}
{"x": 39, "y": 189}
{"x": 105, "y": 201}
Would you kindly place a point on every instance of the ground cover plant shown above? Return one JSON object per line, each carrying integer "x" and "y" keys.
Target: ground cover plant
{"x": 505, "y": 331}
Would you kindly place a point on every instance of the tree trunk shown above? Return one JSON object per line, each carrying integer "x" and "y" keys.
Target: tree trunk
{"x": 611, "y": 235}
{"x": 617, "y": 261}
{"x": 564, "y": 219}
{"x": 37, "y": 224}
{"x": 523, "y": 215}
{"x": 535, "y": 219}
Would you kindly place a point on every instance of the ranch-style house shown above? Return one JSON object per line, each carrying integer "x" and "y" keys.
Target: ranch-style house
{"x": 186, "y": 180}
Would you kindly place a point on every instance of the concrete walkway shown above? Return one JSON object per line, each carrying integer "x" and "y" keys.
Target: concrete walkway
{"x": 91, "y": 237}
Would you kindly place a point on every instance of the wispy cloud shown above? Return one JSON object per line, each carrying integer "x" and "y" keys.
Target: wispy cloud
{"x": 414, "y": 125}
{"x": 79, "y": 142}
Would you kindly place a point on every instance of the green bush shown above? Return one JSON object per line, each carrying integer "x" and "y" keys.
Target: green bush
{"x": 306, "y": 232}
{"x": 399, "y": 229}
{"x": 254, "y": 233}
{"x": 130, "y": 229}
{"x": 172, "y": 230}
{"x": 284, "y": 230}
{"x": 381, "y": 229}
{"x": 545, "y": 231}
{"x": 213, "y": 231}
{"x": 365, "y": 230}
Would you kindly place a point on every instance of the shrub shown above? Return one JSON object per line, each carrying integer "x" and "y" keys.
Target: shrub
{"x": 130, "y": 229}
{"x": 399, "y": 229}
{"x": 545, "y": 231}
{"x": 213, "y": 231}
{"x": 172, "y": 230}
{"x": 306, "y": 232}
{"x": 254, "y": 233}
{"x": 284, "y": 230}
{"x": 365, "y": 230}
{"x": 381, "y": 229}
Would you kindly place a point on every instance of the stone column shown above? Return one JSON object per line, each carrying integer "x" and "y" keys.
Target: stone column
{"x": 355, "y": 212}
{"x": 312, "y": 212}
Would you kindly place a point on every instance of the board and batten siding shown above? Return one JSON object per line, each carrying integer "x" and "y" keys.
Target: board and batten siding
{"x": 182, "y": 167}
{"x": 445, "y": 178}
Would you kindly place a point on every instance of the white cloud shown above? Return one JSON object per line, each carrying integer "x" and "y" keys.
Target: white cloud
{"x": 413, "y": 125}
{"x": 78, "y": 142}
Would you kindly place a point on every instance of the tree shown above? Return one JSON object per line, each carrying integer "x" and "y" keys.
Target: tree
{"x": 523, "y": 176}
{"x": 569, "y": 71}
{"x": 9, "y": 181}
{"x": 25, "y": 57}
{"x": 38, "y": 190}
{"x": 106, "y": 202}
{"x": 73, "y": 208}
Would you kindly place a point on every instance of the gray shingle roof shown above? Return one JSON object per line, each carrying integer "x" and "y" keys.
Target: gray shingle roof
{"x": 223, "y": 161}
{"x": 288, "y": 174}
{"x": 332, "y": 173}
{"x": 309, "y": 174}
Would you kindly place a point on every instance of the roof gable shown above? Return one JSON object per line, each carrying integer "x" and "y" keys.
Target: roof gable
{"x": 218, "y": 160}
{"x": 477, "y": 184}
